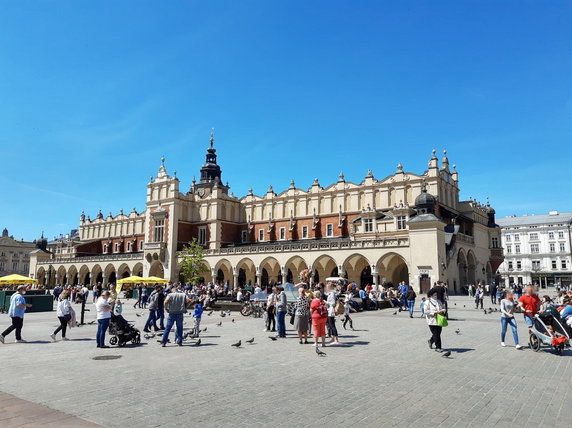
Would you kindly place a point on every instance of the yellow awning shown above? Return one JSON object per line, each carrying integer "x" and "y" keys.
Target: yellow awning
{"x": 132, "y": 280}
{"x": 155, "y": 280}
{"x": 16, "y": 279}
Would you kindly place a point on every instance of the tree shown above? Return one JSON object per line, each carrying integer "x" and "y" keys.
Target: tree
{"x": 192, "y": 261}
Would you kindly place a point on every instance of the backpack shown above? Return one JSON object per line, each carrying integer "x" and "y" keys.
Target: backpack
{"x": 322, "y": 310}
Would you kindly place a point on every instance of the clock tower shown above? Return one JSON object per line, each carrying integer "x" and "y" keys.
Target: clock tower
{"x": 210, "y": 174}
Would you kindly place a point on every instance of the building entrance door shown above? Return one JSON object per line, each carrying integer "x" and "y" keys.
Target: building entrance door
{"x": 424, "y": 283}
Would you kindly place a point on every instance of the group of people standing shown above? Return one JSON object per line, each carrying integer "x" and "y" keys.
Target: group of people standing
{"x": 316, "y": 311}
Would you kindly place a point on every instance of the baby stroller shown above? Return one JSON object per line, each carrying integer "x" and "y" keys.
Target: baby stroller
{"x": 122, "y": 331}
{"x": 548, "y": 329}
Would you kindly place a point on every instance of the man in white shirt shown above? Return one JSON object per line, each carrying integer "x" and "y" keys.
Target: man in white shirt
{"x": 103, "y": 308}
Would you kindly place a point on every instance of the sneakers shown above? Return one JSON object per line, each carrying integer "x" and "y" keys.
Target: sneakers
{"x": 65, "y": 338}
{"x": 53, "y": 336}
{"x": 1, "y": 338}
{"x": 502, "y": 344}
{"x": 430, "y": 344}
{"x": 20, "y": 341}
{"x": 518, "y": 347}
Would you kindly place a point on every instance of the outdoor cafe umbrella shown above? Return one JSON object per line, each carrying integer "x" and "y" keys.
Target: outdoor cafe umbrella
{"x": 17, "y": 279}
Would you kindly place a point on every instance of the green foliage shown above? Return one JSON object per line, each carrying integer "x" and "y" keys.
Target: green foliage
{"x": 192, "y": 261}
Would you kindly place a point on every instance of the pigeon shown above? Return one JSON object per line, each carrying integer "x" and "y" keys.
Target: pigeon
{"x": 138, "y": 315}
{"x": 251, "y": 341}
{"x": 233, "y": 320}
{"x": 458, "y": 331}
{"x": 198, "y": 342}
{"x": 273, "y": 337}
{"x": 455, "y": 304}
{"x": 464, "y": 306}
{"x": 204, "y": 329}
{"x": 446, "y": 354}
{"x": 320, "y": 353}
{"x": 91, "y": 322}
{"x": 222, "y": 314}
{"x": 210, "y": 313}
{"x": 228, "y": 312}
{"x": 395, "y": 313}
{"x": 149, "y": 336}
{"x": 485, "y": 311}
{"x": 220, "y": 324}
{"x": 186, "y": 335}
{"x": 237, "y": 344}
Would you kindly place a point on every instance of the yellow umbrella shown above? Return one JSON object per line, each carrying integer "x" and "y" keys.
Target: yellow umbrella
{"x": 131, "y": 280}
{"x": 155, "y": 280}
{"x": 17, "y": 279}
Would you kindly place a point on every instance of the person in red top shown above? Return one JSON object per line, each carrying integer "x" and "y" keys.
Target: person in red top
{"x": 529, "y": 303}
{"x": 319, "y": 319}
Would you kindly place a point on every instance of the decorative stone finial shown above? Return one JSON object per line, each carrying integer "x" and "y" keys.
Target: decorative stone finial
{"x": 316, "y": 183}
{"x": 163, "y": 160}
{"x": 434, "y": 152}
{"x": 175, "y": 174}
{"x": 369, "y": 174}
{"x": 121, "y": 211}
{"x": 424, "y": 187}
{"x": 270, "y": 189}
{"x": 455, "y": 167}
{"x": 250, "y": 191}
{"x": 341, "y": 177}
{"x": 212, "y": 137}
{"x": 292, "y": 184}
{"x": 399, "y": 167}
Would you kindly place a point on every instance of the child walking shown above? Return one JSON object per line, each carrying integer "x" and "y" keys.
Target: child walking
{"x": 347, "y": 318}
{"x": 197, "y": 314}
{"x": 422, "y": 307}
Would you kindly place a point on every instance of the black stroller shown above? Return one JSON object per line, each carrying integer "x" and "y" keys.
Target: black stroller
{"x": 122, "y": 331}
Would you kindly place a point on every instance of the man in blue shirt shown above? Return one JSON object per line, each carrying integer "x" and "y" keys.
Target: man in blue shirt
{"x": 17, "y": 309}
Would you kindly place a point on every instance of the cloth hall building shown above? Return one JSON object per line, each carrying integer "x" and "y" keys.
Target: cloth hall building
{"x": 405, "y": 227}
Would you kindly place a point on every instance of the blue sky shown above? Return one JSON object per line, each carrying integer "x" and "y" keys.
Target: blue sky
{"x": 92, "y": 94}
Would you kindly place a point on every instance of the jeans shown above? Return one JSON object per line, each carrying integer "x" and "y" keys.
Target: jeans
{"x": 332, "y": 327}
{"x": 161, "y": 318}
{"x": 270, "y": 320}
{"x": 102, "y": 326}
{"x": 346, "y": 320}
{"x": 436, "y": 335}
{"x": 494, "y": 298}
{"x": 63, "y": 326}
{"x": 477, "y": 302}
{"x": 411, "y": 306}
{"x": 151, "y": 320}
{"x": 17, "y": 324}
{"x": 174, "y": 319}
{"x": 281, "y": 320}
{"x": 528, "y": 320}
{"x": 512, "y": 322}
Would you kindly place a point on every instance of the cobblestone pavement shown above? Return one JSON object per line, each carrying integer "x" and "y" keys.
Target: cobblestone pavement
{"x": 383, "y": 374}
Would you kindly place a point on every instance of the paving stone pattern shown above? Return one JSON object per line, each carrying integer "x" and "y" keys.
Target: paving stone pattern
{"x": 382, "y": 375}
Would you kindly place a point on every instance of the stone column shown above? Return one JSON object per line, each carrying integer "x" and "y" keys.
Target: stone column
{"x": 374, "y": 275}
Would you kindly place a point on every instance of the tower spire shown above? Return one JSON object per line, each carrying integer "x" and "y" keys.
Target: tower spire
{"x": 212, "y": 137}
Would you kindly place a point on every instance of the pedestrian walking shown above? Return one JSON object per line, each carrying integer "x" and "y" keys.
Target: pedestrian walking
{"x": 103, "y": 308}
{"x": 507, "y": 306}
{"x": 422, "y": 306}
{"x": 281, "y": 309}
{"x": 331, "y": 299}
{"x": 64, "y": 313}
{"x": 493, "y": 291}
{"x": 411, "y": 296}
{"x": 16, "y": 311}
{"x": 433, "y": 307}
{"x": 153, "y": 306}
{"x": 139, "y": 296}
{"x": 176, "y": 306}
{"x": 301, "y": 315}
{"x": 479, "y": 296}
{"x": 319, "y": 314}
{"x": 530, "y": 304}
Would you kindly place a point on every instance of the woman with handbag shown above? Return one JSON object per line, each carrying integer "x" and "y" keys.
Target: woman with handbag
{"x": 64, "y": 315}
{"x": 319, "y": 313}
{"x": 434, "y": 310}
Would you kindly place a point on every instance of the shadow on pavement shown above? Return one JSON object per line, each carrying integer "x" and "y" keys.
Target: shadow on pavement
{"x": 350, "y": 344}
{"x": 460, "y": 350}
